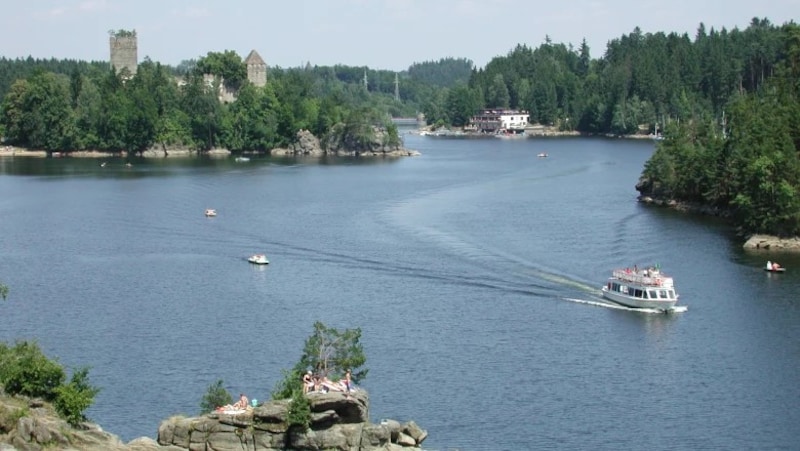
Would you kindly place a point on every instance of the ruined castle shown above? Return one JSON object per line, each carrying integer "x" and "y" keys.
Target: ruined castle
{"x": 124, "y": 50}
{"x": 124, "y": 56}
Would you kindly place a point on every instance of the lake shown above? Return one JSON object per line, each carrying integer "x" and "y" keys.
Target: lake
{"x": 473, "y": 271}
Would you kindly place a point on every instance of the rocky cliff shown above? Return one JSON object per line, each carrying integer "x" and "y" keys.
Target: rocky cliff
{"x": 338, "y": 422}
{"x": 309, "y": 145}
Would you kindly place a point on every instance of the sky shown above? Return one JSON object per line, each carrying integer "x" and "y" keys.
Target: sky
{"x": 378, "y": 34}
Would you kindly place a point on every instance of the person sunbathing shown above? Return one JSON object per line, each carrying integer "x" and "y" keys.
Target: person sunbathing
{"x": 242, "y": 404}
{"x": 331, "y": 385}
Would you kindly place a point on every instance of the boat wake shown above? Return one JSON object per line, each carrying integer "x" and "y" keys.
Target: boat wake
{"x": 604, "y": 304}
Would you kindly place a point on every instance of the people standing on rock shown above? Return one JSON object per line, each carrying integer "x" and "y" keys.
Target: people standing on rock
{"x": 347, "y": 381}
{"x": 308, "y": 382}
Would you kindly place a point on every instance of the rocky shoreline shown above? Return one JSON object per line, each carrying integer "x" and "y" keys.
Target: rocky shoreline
{"x": 306, "y": 144}
{"x": 339, "y": 421}
{"x": 756, "y": 242}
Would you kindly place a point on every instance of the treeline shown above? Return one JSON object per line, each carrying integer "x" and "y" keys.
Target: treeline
{"x": 90, "y": 109}
{"x": 642, "y": 80}
{"x": 750, "y": 163}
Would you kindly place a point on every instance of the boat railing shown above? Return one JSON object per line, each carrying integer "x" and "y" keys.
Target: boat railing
{"x": 655, "y": 279}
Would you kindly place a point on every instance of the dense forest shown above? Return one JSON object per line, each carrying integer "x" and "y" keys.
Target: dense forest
{"x": 725, "y": 101}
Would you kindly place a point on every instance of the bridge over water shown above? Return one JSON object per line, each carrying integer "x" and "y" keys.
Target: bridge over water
{"x": 406, "y": 121}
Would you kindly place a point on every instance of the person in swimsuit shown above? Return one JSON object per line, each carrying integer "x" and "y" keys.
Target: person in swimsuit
{"x": 308, "y": 382}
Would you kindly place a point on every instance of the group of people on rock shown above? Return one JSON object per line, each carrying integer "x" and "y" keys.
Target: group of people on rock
{"x": 311, "y": 384}
{"x": 242, "y": 404}
{"x": 321, "y": 384}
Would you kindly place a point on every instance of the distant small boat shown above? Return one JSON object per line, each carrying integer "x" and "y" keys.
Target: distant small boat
{"x": 542, "y": 155}
{"x": 210, "y": 212}
{"x": 258, "y": 259}
{"x": 241, "y": 159}
{"x": 774, "y": 267}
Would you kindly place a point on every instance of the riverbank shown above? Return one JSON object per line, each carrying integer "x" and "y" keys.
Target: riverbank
{"x": 772, "y": 243}
{"x": 757, "y": 242}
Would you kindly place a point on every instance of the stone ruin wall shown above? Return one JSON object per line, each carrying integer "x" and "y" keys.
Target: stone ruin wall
{"x": 257, "y": 74}
{"x": 124, "y": 53}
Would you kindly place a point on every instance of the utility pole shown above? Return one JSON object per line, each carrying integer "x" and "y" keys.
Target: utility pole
{"x": 366, "y": 84}
{"x": 396, "y": 88}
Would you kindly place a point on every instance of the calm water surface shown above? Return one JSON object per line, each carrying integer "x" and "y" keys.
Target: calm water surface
{"x": 473, "y": 271}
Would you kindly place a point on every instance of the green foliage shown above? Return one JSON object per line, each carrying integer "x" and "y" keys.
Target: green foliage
{"x": 121, "y": 33}
{"x": 327, "y": 352}
{"x": 75, "y": 397}
{"x": 228, "y": 65}
{"x": 215, "y": 396}
{"x": 26, "y": 371}
{"x": 291, "y": 383}
{"x": 38, "y": 113}
{"x": 444, "y": 73}
{"x": 462, "y": 103}
{"x": 747, "y": 163}
{"x": 392, "y": 137}
{"x": 299, "y": 414}
{"x": 330, "y": 351}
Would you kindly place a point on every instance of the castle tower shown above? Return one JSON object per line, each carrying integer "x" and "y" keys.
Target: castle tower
{"x": 256, "y": 69}
{"x": 123, "y": 50}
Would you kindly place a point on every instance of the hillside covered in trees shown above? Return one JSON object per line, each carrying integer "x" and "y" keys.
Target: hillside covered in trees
{"x": 725, "y": 100}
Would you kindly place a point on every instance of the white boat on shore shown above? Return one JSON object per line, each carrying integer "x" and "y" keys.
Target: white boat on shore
{"x": 258, "y": 259}
{"x": 641, "y": 288}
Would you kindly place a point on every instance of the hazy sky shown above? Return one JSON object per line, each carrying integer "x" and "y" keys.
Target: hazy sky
{"x": 380, "y": 34}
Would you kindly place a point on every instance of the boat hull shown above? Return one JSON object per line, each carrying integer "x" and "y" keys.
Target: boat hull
{"x": 775, "y": 270}
{"x": 258, "y": 261}
{"x": 628, "y": 301}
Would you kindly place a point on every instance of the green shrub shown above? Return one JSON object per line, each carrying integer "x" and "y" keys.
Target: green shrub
{"x": 74, "y": 398}
{"x": 299, "y": 414}
{"x": 291, "y": 383}
{"x": 215, "y": 396}
{"x": 25, "y": 370}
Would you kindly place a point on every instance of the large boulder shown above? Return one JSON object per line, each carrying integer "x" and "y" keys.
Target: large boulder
{"x": 339, "y": 421}
{"x": 32, "y": 425}
{"x": 306, "y": 144}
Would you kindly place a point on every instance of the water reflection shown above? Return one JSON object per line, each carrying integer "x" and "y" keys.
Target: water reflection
{"x": 137, "y": 167}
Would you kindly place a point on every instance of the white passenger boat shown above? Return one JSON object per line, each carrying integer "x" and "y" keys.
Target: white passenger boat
{"x": 258, "y": 259}
{"x": 210, "y": 212}
{"x": 641, "y": 288}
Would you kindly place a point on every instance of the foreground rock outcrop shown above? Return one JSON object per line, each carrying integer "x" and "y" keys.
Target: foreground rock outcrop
{"x": 32, "y": 425}
{"x": 338, "y": 422}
